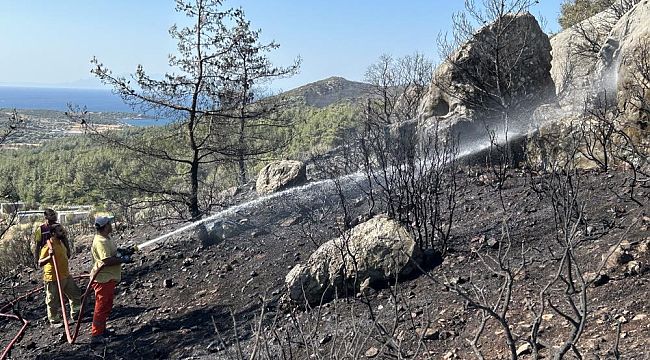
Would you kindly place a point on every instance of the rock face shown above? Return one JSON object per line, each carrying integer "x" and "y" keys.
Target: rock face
{"x": 610, "y": 61}
{"x": 575, "y": 52}
{"x": 460, "y": 86}
{"x": 624, "y": 63}
{"x": 280, "y": 175}
{"x": 373, "y": 252}
{"x": 603, "y": 53}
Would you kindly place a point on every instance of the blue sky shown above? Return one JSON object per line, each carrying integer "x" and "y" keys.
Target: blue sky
{"x": 50, "y": 43}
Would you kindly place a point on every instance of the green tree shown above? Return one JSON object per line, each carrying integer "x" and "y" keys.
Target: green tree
{"x": 254, "y": 117}
{"x": 575, "y": 11}
{"x": 193, "y": 96}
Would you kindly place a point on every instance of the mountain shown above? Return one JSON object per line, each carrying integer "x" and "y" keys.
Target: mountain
{"x": 329, "y": 91}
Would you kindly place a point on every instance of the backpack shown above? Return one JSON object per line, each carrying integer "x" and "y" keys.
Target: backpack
{"x": 45, "y": 236}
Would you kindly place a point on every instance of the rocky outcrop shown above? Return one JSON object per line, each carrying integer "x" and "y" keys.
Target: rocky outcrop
{"x": 608, "y": 58}
{"x": 459, "y": 92}
{"x": 575, "y": 53}
{"x": 280, "y": 175}
{"x": 624, "y": 64}
{"x": 373, "y": 252}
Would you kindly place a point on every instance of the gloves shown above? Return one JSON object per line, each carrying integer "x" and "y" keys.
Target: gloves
{"x": 126, "y": 259}
{"x": 124, "y": 253}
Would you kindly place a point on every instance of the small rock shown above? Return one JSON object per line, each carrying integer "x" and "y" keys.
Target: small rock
{"x": 372, "y": 352}
{"x": 254, "y": 273}
{"x": 632, "y": 268}
{"x": 168, "y": 283}
{"x": 289, "y": 221}
{"x": 327, "y": 338}
{"x": 187, "y": 262}
{"x": 597, "y": 279}
{"x": 524, "y": 349}
{"x": 428, "y": 333}
{"x": 450, "y": 355}
{"x": 214, "y": 347}
{"x": 638, "y": 317}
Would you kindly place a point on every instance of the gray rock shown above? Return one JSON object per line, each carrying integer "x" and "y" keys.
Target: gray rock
{"x": 373, "y": 252}
{"x": 455, "y": 100}
{"x": 574, "y": 58}
{"x": 428, "y": 333}
{"x": 372, "y": 352}
{"x": 280, "y": 175}
{"x": 325, "y": 339}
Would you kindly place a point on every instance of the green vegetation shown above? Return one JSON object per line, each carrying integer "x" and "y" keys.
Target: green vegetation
{"x": 83, "y": 169}
{"x": 316, "y": 130}
{"x": 574, "y": 11}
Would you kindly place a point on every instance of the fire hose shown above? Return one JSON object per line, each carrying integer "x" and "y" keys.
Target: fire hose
{"x": 123, "y": 253}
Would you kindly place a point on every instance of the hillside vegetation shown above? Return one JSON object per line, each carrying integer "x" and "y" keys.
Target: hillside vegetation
{"x": 79, "y": 169}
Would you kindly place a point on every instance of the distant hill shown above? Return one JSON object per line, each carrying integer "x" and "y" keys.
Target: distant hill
{"x": 329, "y": 91}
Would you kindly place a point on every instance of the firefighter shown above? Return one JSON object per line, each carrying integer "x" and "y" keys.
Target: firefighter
{"x": 56, "y": 248}
{"x": 107, "y": 273}
{"x": 42, "y": 233}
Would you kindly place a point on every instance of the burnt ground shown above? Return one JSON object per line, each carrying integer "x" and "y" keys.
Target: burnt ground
{"x": 178, "y": 301}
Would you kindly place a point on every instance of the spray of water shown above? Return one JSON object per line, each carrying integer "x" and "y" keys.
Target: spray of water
{"x": 322, "y": 186}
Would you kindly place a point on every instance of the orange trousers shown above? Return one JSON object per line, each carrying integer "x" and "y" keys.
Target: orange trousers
{"x": 104, "y": 294}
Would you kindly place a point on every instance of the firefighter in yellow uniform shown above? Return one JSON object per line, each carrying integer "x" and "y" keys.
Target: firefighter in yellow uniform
{"x": 56, "y": 248}
{"x": 42, "y": 232}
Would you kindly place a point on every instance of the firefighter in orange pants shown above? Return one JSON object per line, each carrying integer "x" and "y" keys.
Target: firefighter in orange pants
{"x": 107, "y": 272}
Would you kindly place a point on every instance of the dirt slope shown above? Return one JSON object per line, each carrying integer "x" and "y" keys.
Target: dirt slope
{"x": 178, "y": 301}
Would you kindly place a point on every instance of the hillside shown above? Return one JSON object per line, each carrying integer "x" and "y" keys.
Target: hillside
{"x": 326, "y": 92}
{"x": 43, "y": 125}
{"x": 319, "y": 114}
{"x": 191, "y": 317}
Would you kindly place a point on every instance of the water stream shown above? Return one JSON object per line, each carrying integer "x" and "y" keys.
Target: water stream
{"x": 307, "y": 193}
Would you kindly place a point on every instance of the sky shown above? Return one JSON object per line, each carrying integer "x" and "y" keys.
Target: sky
{"x": 50, "y": 43}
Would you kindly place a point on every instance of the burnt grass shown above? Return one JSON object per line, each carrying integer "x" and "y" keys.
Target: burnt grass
{"x": 179, "y": 301}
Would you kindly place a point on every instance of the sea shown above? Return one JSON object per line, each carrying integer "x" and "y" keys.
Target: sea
{"x": 96, "y": 100}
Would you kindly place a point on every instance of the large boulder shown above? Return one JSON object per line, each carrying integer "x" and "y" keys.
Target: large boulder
{"x": 280, "y": 175}
{"x": 624, "y": 66}
{"x": 607, "y": 56}
{"x": 575, "y": 53}
{"x": 374, "y": 252}
{"x": 459, "y": 95}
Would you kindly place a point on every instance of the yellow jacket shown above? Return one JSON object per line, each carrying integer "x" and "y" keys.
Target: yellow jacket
{"x": 61, "y": 256}
{"x": 104, "y": 248}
